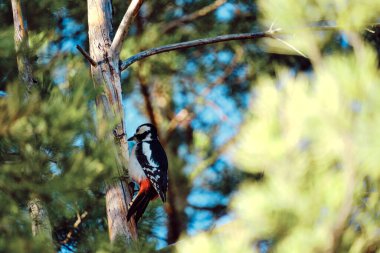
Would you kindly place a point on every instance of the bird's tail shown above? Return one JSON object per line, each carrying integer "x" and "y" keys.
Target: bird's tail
{"x": 141, "y": 201}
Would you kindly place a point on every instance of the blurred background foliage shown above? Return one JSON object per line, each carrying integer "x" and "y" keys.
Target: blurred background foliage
{"x": 313, "y": 135}
{"x": 268, "y": 150}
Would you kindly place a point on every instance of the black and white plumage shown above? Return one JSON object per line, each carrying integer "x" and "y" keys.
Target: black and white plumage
{"x": 148, "y": 166}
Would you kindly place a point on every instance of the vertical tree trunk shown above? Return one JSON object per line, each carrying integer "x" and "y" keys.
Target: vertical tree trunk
{"x": 38, "y": 213}
{"x": 22, "y": 45}
{"x": 177, "y": 200}
{"x": 106, "y": 75}
{"x": 176, "y": 219}
{"x": 40, "y": 219}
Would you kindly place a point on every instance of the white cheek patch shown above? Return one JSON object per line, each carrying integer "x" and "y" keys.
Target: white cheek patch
{"x": 143, "y": 129}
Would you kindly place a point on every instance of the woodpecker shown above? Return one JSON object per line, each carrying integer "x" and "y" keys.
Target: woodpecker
{"x": 148, "y": 166}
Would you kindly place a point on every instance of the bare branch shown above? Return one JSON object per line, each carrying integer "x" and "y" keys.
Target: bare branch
{"x": 125, "y": 23}
{"x": 22, "y": 45}
{"x": 206, "y": 41}
{"x": 75, "y": 226}
{"x": 192, "y": 43}
{"x": 87, "y": 56}
{"x": 190, "y": 17}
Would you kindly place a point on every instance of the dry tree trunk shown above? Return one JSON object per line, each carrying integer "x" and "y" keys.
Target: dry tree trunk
{"x": 105, "y": 69}
{"x": 40, "y": 219}
{"x": 22, "y": 45}
{"x": 38, "y": 213}
{"x": 106, "y": 75}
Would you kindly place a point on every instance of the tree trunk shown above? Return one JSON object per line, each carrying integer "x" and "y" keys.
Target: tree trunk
{"x": 22, "y": 45}
{"x": 177, "y": 200}
{"x": 176, "y": 219}
{"x": 40, "y": 219}
{"x": 38, "y": 213}
{"x": 106, "y": 75}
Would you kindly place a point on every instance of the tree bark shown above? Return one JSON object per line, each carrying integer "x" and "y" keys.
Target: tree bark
{"x": 40, "y": 219}
{"x": 22, "y": 45}
{"x": 106, "y": 75}
{"x": 38, "y": 213}
{"x": 176, "y": 216}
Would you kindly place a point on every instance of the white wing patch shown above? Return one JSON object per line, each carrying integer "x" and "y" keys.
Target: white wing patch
{"x": 153, "y": 170}
{"x": 148, "y": 154}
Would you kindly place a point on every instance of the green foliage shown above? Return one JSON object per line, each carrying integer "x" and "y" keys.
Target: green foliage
{"x": 311, "y": 133}
{"x": 49, "y": 149}
{"x": 314, "y": 135}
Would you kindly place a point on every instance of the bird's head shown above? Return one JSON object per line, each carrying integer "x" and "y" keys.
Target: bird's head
{"x": 145, "y": 132}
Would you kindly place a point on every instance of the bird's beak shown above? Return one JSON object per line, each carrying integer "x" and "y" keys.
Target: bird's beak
{"x": 132, "y": 138}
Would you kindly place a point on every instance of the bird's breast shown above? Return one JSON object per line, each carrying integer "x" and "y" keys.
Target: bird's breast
{"x": 135, "y": 170}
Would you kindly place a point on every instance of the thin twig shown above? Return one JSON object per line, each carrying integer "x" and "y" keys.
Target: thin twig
{"x": 125, "y": 23}
{"x": 192, "y": 16}
{"x": 87, "y": 56}
{"x": 273, "y": 30}
{"x": 75, "y": 226}
{"x": 290, "y": 46}
{"x": 219, "y": 110}
{"x": 192, "y": 43}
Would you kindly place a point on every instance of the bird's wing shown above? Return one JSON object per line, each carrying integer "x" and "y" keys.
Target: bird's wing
{"x": 154, "y": 162}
